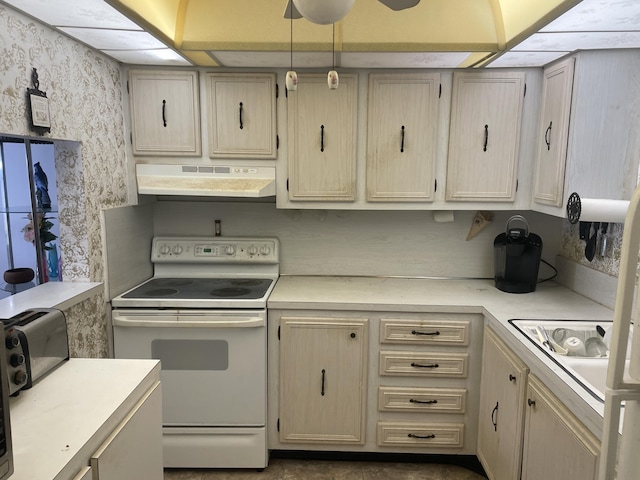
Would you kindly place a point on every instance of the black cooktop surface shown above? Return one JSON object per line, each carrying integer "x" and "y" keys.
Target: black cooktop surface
{"x": 202, "y": 288}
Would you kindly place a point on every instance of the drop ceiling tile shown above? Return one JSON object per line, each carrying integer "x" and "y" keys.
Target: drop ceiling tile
{"x": 579, "y": 41}
{"x": 598, "y": 15}
{"x": 403, "y": 59}
{"x": 85, "y": 13}
{"x": 164, "y": 56}
{"x": 525, "y": 59}
{"x": 114, "y": 39}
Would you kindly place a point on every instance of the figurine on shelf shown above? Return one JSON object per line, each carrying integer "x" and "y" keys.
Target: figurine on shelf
{"x": 42, "y": 185}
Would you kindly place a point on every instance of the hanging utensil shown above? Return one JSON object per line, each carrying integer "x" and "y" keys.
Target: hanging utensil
{"x": 585, "y": 227}
{"x": 590, "y": 249}
{"x": 603, "y": 240}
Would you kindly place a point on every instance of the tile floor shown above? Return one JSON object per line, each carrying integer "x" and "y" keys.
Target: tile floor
{"x": 295, "y": 469}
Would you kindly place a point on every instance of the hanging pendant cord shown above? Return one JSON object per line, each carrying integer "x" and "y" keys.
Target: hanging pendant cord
{"x": 291, "y": 22}
{"x": 333, "y": 47}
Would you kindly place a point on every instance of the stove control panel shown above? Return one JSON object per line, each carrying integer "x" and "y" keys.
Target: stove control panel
{"x": 214, "y": 250}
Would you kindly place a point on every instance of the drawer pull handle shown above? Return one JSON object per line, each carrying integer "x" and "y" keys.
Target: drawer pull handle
{"x": 322, "y": 388}
{"x": 164, "y": 117}
{"x": 420, "y": 365}
{"x": 423, "y": 402}
{"x": 423, "y": 437}
{"x": 416, "y": 332}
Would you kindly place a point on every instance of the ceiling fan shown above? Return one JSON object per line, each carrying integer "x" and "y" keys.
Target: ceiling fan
{"x": 325, "y": 12}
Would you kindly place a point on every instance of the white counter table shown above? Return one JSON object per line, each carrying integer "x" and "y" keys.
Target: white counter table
{"x": 63, "y": 420}
{"x": 60, "y": 295}
{"x": 550, "y": 301}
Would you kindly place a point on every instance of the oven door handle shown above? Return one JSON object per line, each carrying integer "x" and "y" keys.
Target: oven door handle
{"x": 182, "y": 321}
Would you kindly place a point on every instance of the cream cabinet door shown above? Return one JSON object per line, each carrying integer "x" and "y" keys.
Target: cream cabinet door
{"x": 323, "y": 380}
{"x": 165, "y": 112}
{"x": 322, "y": 126}
{"x": 402, "y": 131}
{"x": 484, "y": 136}
{"x": 553, "y": 133}
{"x": 242, "y": 115}
{"x": 501, "y": 413}
{"x": 557, "y": 446}
{"x": 134, "y": 449}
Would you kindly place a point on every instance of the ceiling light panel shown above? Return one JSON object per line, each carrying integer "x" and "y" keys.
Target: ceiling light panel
{"x": 257, "y": 59}
{"x": 579, "y": 41}
{"x": 525, "y": 59}
{"x": 598, "y": 15}
{"x": 114, "y": 39}
{"x": 164, "y": 56}
{"x": 85, "y": 13}
{"x": 402, "y": 59}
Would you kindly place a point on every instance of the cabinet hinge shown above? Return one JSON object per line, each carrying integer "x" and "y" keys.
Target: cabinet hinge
{"x": 516, "y": 184}
{"x": 131, "y": 137}
{"x": 286, "y": 93}
{"x": 277, "y": 91}
{"x": 278, "y": 424}
{"x": 440, "y": 91}
{"x": 127, "y": 86}
{"x": 435, "y": 186}
{"x": 287, "y": 184}
{"x": 277, "y": 142}
{"x": 525, "y": 90}
{"x": 278, "y": 332}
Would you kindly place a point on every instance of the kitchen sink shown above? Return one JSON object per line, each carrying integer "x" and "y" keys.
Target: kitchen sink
{"x": 573, "y": 348}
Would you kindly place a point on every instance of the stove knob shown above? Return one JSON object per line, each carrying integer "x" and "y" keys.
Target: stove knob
{"x": 20, "y": 377}
{"x": 265, "y": 250}
{"x": 230, "y": 250}
{"x": 12, "y": 341}
{"x": 177, "y": 250}
{"x": 252, "y": 250}
{"x": 16, "y": 360}
{"x": 165, "y": 249}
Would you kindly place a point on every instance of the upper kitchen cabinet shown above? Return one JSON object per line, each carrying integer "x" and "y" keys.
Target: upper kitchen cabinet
{"x": 165, "y": 112}
{"x": 604, "y": 132}
{"x": 322, "y": 139}
{"x": 402, "y": 132}
{"x": 557, "y": 85}
{"x": 242, "y": 115}
{"x": 484, "y": 136}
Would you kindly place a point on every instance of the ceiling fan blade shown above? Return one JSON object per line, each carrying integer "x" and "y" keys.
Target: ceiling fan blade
{"x": 292, "y": 12}
{"x": 398, "y": 5}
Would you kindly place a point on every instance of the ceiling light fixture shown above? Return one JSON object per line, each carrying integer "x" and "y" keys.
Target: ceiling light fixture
{"x": 323, "y": 12}
{"x": 291, "y": 81}
{"x": 332, "y": 76}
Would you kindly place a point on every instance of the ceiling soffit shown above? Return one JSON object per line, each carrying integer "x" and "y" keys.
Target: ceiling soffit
{"x": 200, "y": 28}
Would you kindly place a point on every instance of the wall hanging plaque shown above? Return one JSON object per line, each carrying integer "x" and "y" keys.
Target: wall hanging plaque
{"x": 38, "y": 107}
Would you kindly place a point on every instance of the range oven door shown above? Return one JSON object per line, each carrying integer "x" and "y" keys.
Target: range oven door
{"x": 213, "y": 363}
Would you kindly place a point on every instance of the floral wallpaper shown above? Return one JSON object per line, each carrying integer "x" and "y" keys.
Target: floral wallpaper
{"x": 87, "y": 126}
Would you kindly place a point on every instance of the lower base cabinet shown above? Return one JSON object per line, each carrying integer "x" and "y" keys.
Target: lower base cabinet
{"x": 557, "y": 446}
{"x": 134, "y": 449}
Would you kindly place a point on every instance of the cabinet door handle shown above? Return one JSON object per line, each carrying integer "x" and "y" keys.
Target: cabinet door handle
{"x": 512, "y": 378}
{"x": 547, "y": 136}
{"x": 322, "y": 388}
{"x": 402, "y": 142}
{"x": 322, "y": 138}
{"x": 164, "y": 118}
{"x": 412, "y": 435}
{"x": 420, "y": 365}
{"x": 241, "y": 124}
{"x": 486, "y": 137}
{"x": 530, "y": 402}
{"x": 494, "y": 417}
{"x": 423, "y": 402}
{"x": 417, "y": 332}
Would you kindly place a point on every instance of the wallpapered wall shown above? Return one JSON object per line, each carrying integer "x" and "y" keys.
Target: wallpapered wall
{"x": 85, "y": 100}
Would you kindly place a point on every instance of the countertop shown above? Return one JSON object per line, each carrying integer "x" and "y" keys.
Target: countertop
{"x": 550, "y": 301}
{"x": 60, "y": 295}
{"x": 63, "y": 419}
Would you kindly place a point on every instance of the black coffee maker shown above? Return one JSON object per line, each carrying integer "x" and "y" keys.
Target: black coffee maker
{"x": 516, "y": 258}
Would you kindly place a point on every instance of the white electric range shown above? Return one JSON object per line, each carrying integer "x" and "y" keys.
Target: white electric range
{"x": 203, "y": 314}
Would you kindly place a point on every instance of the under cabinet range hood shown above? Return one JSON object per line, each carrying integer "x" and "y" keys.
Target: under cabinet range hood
{"x": 206, "y": 180}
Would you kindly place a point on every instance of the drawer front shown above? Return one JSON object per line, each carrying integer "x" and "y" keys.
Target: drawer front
{"x": 428, "y": 364}
{"x": 424, "y": 332}
{"x": 430, "y": 435}
{"x": 415, "y": 399}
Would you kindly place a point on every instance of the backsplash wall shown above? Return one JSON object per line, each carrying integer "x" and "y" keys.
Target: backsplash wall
{"x": 337, "y": 242}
